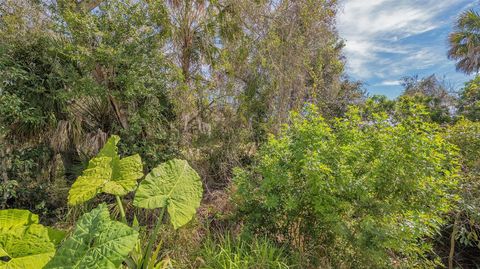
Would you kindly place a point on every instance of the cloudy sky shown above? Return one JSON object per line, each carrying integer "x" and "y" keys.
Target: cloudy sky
{"x": 389, "y": 39}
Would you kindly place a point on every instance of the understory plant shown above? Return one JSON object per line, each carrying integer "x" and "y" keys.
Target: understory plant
{"x": 352, "y": 192}
{"x": 464, "y": 231}
{"x": 98, "y": 241}
{"x": 240, "y": 253}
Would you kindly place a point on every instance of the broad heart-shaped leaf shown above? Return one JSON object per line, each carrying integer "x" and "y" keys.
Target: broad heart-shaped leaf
{"x": 175, "y": 185}
{"x": 90, "y": 183}
{"x": 96, "y": 242}
{"x": 107, "y": 173}
{"x": 23, "y": 242}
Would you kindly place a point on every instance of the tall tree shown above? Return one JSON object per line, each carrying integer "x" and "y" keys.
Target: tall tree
{"x": 465, "y": 42}
{"x": 286, "y": 53}
{"x": 469, "y": 100}
{"x": 433, "y": 93}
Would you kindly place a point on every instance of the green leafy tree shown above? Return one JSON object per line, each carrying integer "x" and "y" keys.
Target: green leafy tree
{"x": 433, "y": 94}
{"x": 350, "y": 192}
{"x": 120, "y": 49}
{"x": 465, "y": 42}
{"x": 469, "y": 100}
{"x": 465, "y": 228}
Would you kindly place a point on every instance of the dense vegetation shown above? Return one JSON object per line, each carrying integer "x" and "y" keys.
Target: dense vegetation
{"x": 226, "y": 134}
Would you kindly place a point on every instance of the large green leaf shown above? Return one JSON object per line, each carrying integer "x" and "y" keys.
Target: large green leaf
{"x": 23, "y": 242}
{"x": 175, "y": 185}
{"x": 16, "y": 217}
{"x": 107, "y": 173}
{"x": 97, "y": 242}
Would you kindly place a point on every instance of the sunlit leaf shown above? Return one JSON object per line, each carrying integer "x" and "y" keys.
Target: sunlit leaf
{"x": 97, "y": 242}
{"x": 107, "y": 173}
{"x": 23, "y": 242}
{"x": 175, "y": 185}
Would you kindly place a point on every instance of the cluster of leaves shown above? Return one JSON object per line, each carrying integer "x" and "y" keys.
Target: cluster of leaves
{"x": 433, "y": 94}
{"x": 167, "y": 76}
{"x": 469, "y": 101}
{"x": 466, "y": 218}
{"x": 24, "y": 243}
{"x": 98, "y": 241}
{"x": 353, "y": 192}
{"x": 68, "y": 79}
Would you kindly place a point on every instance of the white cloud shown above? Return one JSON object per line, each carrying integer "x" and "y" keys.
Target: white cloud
{"x": 389, "y": 83}
{"x": 376, "y": 31}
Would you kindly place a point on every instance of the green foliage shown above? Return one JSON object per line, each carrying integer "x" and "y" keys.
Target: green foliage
{"x": 24, "y": 243}
{"x": 171, "y": 78}
{"x": 25, "y": 168}
{"x": 207, "y": 81}
{"x": 464, "y": 42}
{"x": 469, "y": 101}
{"x": 33, "y": 79}
{"x": 120, "y": 48}
{"x": 465, "y": 135}
{"x": 228, "y": 253}
{"x": 96, "y": 242}
{"x": 433, "y": 94}
{"x": 358, "y": 193}
{"x": 174, "y": 185}
{"x": 107, "y": 173}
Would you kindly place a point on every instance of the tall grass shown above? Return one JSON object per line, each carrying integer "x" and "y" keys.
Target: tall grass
{"x": 229, "y": 253}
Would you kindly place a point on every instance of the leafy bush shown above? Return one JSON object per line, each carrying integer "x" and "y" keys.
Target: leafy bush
{"x": 466, "y": 221}
{"x": 469, "y": 101}
{"x": 350, "y": 192}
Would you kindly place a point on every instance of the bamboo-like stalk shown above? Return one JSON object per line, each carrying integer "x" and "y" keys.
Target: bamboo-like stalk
{"x": 122, "y": 211}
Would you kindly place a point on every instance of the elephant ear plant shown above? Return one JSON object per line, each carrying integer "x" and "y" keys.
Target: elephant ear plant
{"x": 107, "y": 173}
{"x": 175, "y": 186}
{"x": 98, "y": 241}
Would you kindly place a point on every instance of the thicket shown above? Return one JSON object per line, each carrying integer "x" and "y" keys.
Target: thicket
{"x": 353, "y": 192}
{"x": 95, "y": 94}
{"x": 202, "y": 80}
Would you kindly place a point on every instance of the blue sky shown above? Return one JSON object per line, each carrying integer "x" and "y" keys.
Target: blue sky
{"x": 389, "y": 39}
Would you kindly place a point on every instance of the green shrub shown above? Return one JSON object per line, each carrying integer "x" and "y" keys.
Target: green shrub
{"x": 465, "y": 135}
{"x": 469, "y": 101}
{"x": 352, "y": 193}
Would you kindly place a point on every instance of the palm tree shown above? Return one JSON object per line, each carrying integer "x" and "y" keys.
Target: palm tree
{"x": 465, "y": 42}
